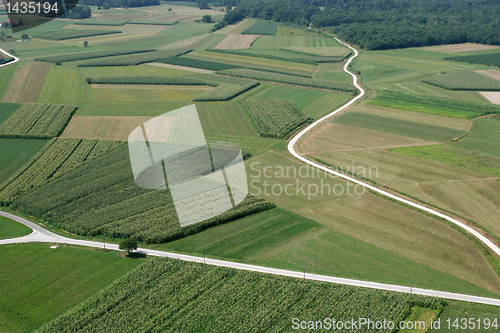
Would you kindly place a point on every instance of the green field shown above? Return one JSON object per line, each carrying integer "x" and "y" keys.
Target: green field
{"x": 6, "y": 74}
{"x": 102, "y": 197}
{"x": 56, "y": 158}
{"x": 219, "y": 299}
{"x": 110, "y": 22}
{"x": 399, "y": 127}
{"x": 12, "y": 229}
{"x": 6, "y": 110}
{"x": 87, "y": 55}
{"x": 464, "y": 80}
{"x": 70, "y": 34}
{"x": 284, "y": 55}
{"x": 460, "y": 310}
{"x": 132, "y": 59}
{"x": 483, "y": 59}
{"x": 38, "y": 121}
{"x": 75, "y": 92}
{"x": 313, "y": 103}
{"x": 484, "y": 139}
{"x": 38, "y": 283}
{"x": 435, "y": 105}
{"x": 273, "y": 118}
{"x": 196, "y": 63}
{"x": 278, "y": 42}
{"x": 16, "y": 153}
{"x": 288, "y": 79}
{"x": 261, "y": 27}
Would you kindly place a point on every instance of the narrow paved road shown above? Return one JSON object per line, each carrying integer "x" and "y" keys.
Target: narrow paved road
{"x": 39, "y": 234}
{"x": 16, "y": 59}
{"x": 291, "y": 149}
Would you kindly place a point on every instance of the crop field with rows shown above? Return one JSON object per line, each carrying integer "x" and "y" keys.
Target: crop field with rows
{"x": 464, "y": 80}
{"x": 153, "y": 22}
{"x": 133, "y": 59}
{"x": 289, "y": 79}
{"x": 274, "y": 118}
{"x": 261, "y": 27}
{"x": 87, "y": 55}
{"x": 37, "y": 121}
{"x": 56, "y": 158}
{"x": 72, "y": 33}
{"x": 483, "y": 59}
{"x": 284, "y": 55}
{"x": 219, "y": 299}
{"x": 435, "y": 105}
{"x": 102, "y": 197}
{"x": 225, "y": 92}
{"x": 196, "y": 63}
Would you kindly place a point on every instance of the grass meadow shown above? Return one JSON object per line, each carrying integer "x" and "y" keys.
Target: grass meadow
{"x": 12, "y": 229}
{"x": 38, "y": 283}
{"x": 16, "y": 153}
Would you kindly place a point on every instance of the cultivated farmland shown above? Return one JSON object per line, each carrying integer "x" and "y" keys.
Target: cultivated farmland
{"x": 56, "y": 158}
{"x": 464, "y": 80}
{"x": 110, "y": 22}
{"x": 70, "y": 34}
{"x": 102, "y": 197}
{"x": 283, "y": 55}
{"x": 225, "y": 92}
{"x": 261, "y": 27}
{"x": 153, "y": 22}
{"x": 87, "y": 55}
{"x": 483, "y": 59}
{"x": 16, "y": 153}
{"x": 435, "y": 105}
{"x": 196, "y": 63}
{"x": 282, "y": 78}
{"x": 37, "y": 121}
{"x": 26, "y": 83}
{"x": 274, "y": 118}
{"x": 219, "y": 299}
{"x": 237, "y": 42}
{"x": 107, "y": 128}
{"x": 133, "y": 59}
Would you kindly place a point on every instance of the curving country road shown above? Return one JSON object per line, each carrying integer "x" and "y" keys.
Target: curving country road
{"x": 292, "y": 151}
{"x": 39, "y": 234}
{"x": 16, "y": 59}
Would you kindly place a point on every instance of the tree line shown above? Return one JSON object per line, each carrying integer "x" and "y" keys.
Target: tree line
{"x": 384, "y": 24}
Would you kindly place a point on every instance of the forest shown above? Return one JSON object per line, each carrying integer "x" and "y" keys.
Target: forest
{"x": 384, "y": 24}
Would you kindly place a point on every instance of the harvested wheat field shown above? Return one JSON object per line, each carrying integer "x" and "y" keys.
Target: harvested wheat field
{"x": 237, "y": 42}
{"x": 465, "y": 47}
{"x": 26, "y": 83}
{"x": 101, "y": 127}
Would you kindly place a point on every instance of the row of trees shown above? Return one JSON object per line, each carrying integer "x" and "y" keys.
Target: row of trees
{"x": 385, "y": 24}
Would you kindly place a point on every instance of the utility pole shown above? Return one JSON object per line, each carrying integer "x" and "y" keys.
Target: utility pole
{"x": 104, "y": 240}
{"x": 203, "y": 256}
{"x": 304, "y": 272}
{"x": 411, "y": 287}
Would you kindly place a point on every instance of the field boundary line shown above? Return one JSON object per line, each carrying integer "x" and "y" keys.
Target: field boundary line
{"x": 295, "y": 139}
{"x": 41, "y": 235}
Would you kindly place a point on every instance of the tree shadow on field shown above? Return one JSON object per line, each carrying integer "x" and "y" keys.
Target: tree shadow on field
{"x": 134, "y": 255}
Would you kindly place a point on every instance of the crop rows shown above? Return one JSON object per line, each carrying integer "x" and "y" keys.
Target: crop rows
{"x": 108, "y": 22}
{"x": 195, "y": 63}
{"x": 88, "y": 55}
{"x": 57, "y": 158}
{"x": 283, "y": 55}
{"x": 483, "y": 59}
{"x": 289, "y": 79}
{"x": 435, "y": 105}
{"x": 464, "y": 80}
{"x": 274, "y": 118}
{"x": 220, "y": 299}
{"x": 227, "y": 88}
{"x": 37, "y": 121}
{"x": 153, "y": 22}
{"x": 261, "y": 27}
{"x": 225, "y": 92}
{"x": 72, "y": 33}
{"x": 102, "y": 197}
{"x": 134, "y": 59}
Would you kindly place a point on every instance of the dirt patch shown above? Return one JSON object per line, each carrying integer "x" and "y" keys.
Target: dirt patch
{"x": 493, "y": 73}
{"x": 97, "y": 127}
{"x": 460, "y": 47}
{"x": 237, "y": 42}
{"x": 27, "y": 83}
{"x": 492, "y": 96}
